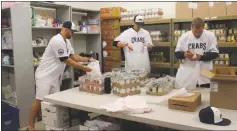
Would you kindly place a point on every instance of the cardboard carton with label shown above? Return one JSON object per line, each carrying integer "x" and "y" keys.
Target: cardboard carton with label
{"x": 224, "y": 88}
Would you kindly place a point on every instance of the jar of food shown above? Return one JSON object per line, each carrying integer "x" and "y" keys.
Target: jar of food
{"x": 230, "y": 31}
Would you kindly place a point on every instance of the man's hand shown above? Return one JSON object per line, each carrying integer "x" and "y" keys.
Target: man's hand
{"x": 188, "y": 55}
{"x": 87, "y": 69}
{"x": 130, "y": 47}
{"x": 91, "y": 59}
{"x": 123, "y": 44}
{"x": 149, "y": 47}
{"x": 196, "y": 57}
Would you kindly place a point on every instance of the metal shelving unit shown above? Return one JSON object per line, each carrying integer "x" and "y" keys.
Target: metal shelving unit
{"x": 21, "y": 75}
{"x": 85, "y": 42}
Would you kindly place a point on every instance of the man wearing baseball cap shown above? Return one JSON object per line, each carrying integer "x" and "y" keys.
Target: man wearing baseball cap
{"x": 48, "y": 75}
{"x": 136, "y": 42}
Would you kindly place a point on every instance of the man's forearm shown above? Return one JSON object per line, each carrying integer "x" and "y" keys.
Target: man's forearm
{"x": 78, "y": 58}
{"x": 118, "y": 44}
{"x": 209, "y": 56}
{"x": 74, "y": 64}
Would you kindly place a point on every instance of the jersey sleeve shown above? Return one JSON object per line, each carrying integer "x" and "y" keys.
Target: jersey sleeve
{"x": 122, "y": 37}
{"x": 180, "y": 44}
{"x": 59, "y": 48}
{"x": 213, "y": 44}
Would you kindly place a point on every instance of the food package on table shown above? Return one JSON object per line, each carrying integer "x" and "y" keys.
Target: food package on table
{"x": 160, "y": 86}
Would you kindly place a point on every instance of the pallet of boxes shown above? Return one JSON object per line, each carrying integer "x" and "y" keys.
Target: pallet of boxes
{"x": 110, "y": 25}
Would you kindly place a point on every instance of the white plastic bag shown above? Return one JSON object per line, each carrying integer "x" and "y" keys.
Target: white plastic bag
{"x": 95, "y": 66}
{"x": 187, "y": 77}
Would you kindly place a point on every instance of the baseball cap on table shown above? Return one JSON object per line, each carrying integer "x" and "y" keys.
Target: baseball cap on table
{"x": 139, "y": 19}
{"x": 211, "y": 115}
{"x": 70, "y": 25}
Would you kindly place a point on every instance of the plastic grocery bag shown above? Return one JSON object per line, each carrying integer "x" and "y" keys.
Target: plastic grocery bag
{"x": 95, "y": 66}
{"x": 187, "y": 77}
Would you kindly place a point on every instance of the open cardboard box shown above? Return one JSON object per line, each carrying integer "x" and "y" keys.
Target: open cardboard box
{"x": 223, "y": 87}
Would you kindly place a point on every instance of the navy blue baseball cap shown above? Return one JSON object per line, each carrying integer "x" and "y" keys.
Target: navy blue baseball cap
{"x": 211, "y": 115}
{"x": 70, "y": 25}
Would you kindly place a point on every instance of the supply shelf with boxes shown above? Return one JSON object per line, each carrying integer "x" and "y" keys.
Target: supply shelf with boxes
{"x": 160, "y": 31}
{"x": 86, "y": 42}
{"x": 21, "y": 57}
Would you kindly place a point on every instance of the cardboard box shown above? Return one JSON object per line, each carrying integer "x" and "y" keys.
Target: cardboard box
{"x": 184, "y": 10}
{"x": 200, "y": 9}
{"x": 54, "y": 115}
{"x": 217, "y": 9}
{"x": 231, "y": 8}
{"x": 189, "y": 103}
{"x": 111, "y": 13}
{"x": 224, "y": 88}
{"x": 75, "y": 125}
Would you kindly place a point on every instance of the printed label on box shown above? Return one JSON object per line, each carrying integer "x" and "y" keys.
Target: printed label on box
{"x": 211, "y": 4}
{"x": 214, "y": 86}
{"x": 190, "y": 5}
{"x": 228, "y": 3}
{"x": 194, "y": 5}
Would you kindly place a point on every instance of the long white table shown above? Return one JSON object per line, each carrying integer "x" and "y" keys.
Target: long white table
{"x": 160, "y": 115}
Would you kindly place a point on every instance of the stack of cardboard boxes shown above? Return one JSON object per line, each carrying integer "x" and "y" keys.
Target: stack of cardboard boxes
{"x": 110, "y": 22}
{"x": 205, "y": 9}
{"x": 56, "y": 117}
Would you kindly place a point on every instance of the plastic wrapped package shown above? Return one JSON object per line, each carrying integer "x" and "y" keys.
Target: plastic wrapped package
{"x": 7, "y": 42}
{"x": 91, "y": 84}
{"x": 161, "y": 86}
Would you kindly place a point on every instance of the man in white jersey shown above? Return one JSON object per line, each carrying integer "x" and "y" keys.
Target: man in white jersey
{"x": 48, "y": 75}
{"x": 201, "y": 42}
{"x": 136, "y": 42}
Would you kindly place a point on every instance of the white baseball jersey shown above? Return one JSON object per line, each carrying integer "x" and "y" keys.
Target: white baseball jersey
{"x": 51, "y": 68}
{"x": 206, "y": 43}
{"x": 138, "y": 58}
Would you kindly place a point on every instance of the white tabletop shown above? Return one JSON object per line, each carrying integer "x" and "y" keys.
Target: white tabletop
{"x": 160, "y": 115}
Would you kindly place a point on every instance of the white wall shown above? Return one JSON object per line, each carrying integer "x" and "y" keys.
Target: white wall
{"x": 168, "y": 7}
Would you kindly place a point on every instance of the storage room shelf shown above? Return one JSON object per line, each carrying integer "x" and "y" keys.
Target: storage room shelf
{"x": 8, "y": 28}
{"x": 234, "y": 17}
{"x": 43, "y": 46}
{"x": 11, "y": 66}
{"x": 46, "y": 4}
{"x": 90, "y": 33}
{"x": 146, "y": 21}
{"x": 157, "y": 21}
{"x": 7, "y": 49}
{"x": 11, "y": 101}
{"x": 176, "y": 66}
{"x": 161, "y": 65}
{"x": 68, "y": 78}
{"x": 221, "y": 44}
{"x": 126, "y": 23}
{"x": 47, "y": 28}
{"x": 161, "y": 44}
{"x": 222, "y": 59}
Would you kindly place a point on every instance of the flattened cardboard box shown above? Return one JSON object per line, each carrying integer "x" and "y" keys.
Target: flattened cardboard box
{"x": 200, "y": 9}
{"x": 183, "y": 10}
{"x": 217, "y": 9}
{"x": 189, "y": 103}
{"x": 224, "y": 88}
